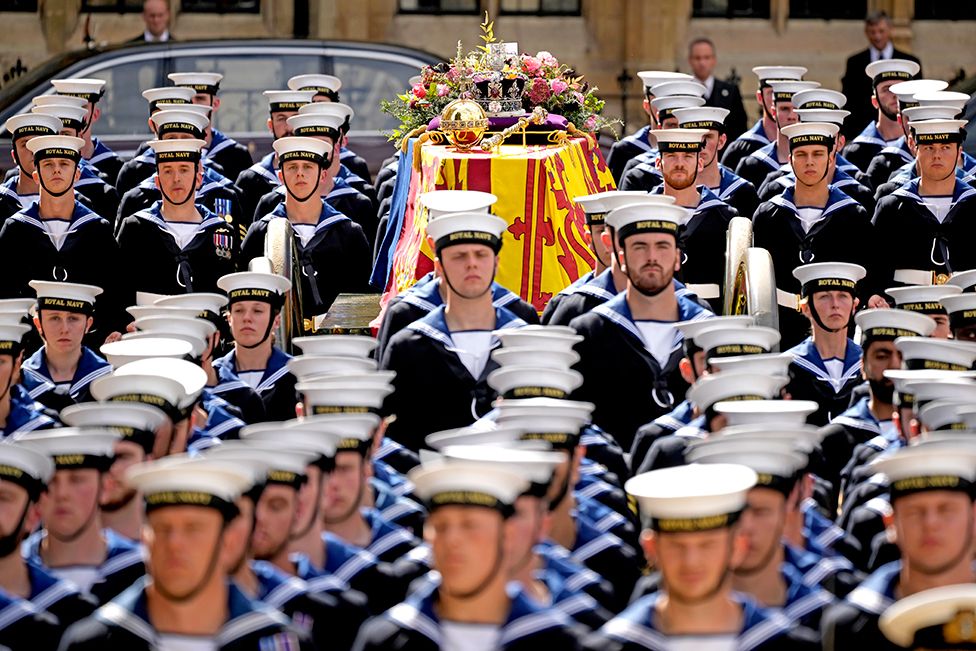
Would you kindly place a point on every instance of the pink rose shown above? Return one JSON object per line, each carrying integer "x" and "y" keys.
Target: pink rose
{"x": 590, "y": 123}
{"x": 419, "y": 91}
{"x": 558, "y": 86}
{"x": 452, "y": 74}
{"x": 530, "y": 65}
{"x": 442, "y": 90}
{"x": 539, "y": 91}
{"x": 547, "y": 59}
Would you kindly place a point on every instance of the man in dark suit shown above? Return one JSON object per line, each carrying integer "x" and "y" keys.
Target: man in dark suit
{"x": 722, "y": 94}
{"x": 155, "y": 14}
{"x": 855, "y": 84}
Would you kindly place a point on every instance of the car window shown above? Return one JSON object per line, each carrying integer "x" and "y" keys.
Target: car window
{"x": 124, "y": 112}
{"x": 365, "y": 82}
{"x": 243, "y": 107}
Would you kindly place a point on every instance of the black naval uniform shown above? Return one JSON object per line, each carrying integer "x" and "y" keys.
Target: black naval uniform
{"x": 620, "y": 376}
{"x": 88, "y": 255}
{"x": 337, "y": 257}
{"x": 255, "y": 182}
{"x": 757, "y": 166}
{"x": 100, "y": 197}
{"x": 231, "y": 156}
{"x": 744, "y": 145}
{"x": 840, "y": 236}
{"x": 913, "y": 238}
{"x": 165, "y": 268}
{"x": 868, "y": 144}
{"x": 809, "y": 380}
{"x": 343, "y": 197}
{"x": 777, "y": 182}
{"x": 853, "y": 623}
{"x": 107, "y": 162}
{"x": 23, "y": 627}
{"x": 886, "y": 162}
{"x": 423, "y": 357}
{"x": 626, "y": 148}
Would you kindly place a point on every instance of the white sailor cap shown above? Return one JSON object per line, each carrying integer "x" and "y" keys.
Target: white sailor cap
{"x": 191, "y": 377}
{"x": 924, "y": 353}
{"x": 176, "y": 120}
{"x": 322, "y": 85}
{"x": 767, "y": 74}
{"x": 829, "y": 276}
{"x": 124, "y": 351}
{"x": 72, "y": 117}
{"x": 177, "y": 150}
{"x": 800, "y": 437}
{"x": 66, "y": 297}
{"x": 460, "y": 483}
{"x": 201, "y": 82}
{"x": 920, "y": 468}
{"x": 139, "y": 311}
{"x": 811, "y": 133}
{"x": 197, "y": 344}
{"x": 172, "y": 325}
{"x": 537, "y": 466}
{"x": 204, "y": 483}
{"x": 937, "y": 618}
{"x": 25, "y": 466}
{"x": 351, "y": 432}
{"x": 925, "y": 299}
{"x": 58, "y": 100}
{"x": 91, "y": 90}
{"x": 163, "y": 393}
{"x": 306, "y": 367}
{"x": 727, "y": 341}
{"x": 74, "y": 447}
{"x": 694, "y": 497}
{"x": 596, "y": 207}
{"x": 278, "y": 466}
{"x": 56, "y": 147}
{"x": 498, "y": 436}
{"x": 136, "y": 422}
{"x": 958, "y": 389}
{"x": 286, "y": 101}
{"x": 255, "y": 286}
{"x": 819, "y": 98}
{"x": 724, "y": 387}
{"x": 933, "y": 132}
{"x": 888, "y": 69}
{"x": 321, "y": 444}
{"x": 13, "y": 317}
{"x": 205, "y": 303}
{"x": 783, "y": 90}
{"x": 964, "y": 279}
{"x": 343, "y": 345}
{"x": 690, "y": 329}
{"x": 943, "y": 415}
{"x": 665, "y": 106}
{"x": 702, "y": 117}
{"x": 11, "y": 335}
{"x": 620, "y": 198}
{"x": 889, "y": 324}
{"x": 31, "y": 125}
{"x": 679, "y": 87}
{"x": 906, "y": 90}
{"x": 444, "y": 202}
{"x": 647, "y": 218}
{"x": 676, "y": 140}
{"x": 581, "y": 411}
{"x": 776, "y": 465}
{"x": 467, "y": 228}
{"x": 343, "y": 111}
{"x": 302, "y": 148}
{"x": 529, "y": 356}
{"x": 534, "y": 382}
{"x": 652, "y": 78}
{"x": 539, "y": 336}
{"x": 765, "y": 412}
{"x": 343, "y": 394}
{"x": 822, "y": 115}
{"x": 148, "y": 298}
{"x": 16, "y": 304}
{"x": 313, "y": 124}
{"x": 762, "y": 363}
{"x": 961, "y": 309}
{"x": 930, "y": 112}
{"x": 166, "y": 96}
{"x": 943, "y": 98}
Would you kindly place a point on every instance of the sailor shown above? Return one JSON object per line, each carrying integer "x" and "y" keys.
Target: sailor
{"x": 67, "y": 242}
{"x": 262, "y": 177}
{"x": 468, "y": 607}
{"x": 631, "y": 349}
{"x": 884, "y": 131}
{"x": 333, "y": 252}
{"x": 18, "y": 412}
{"x": 180, "y": 245}
{"x": 820, "y": 222}
{"x": 927, "y": 300}
{"x": 769, "y": 158}
{"x": 107, "y": 162}
{"x": 925, "y": 479}
{"x": 60, "y": 372}
{"x": 826, "y": 365}
{"x": 72, "y": 544}
{"x": 921, "y": 226}
{"x": 19, "y": 192}
{"x": 693, "y": 537}
{"x": 232, "y": 157}
{"x": 448, "y": 351}
{"x": 675, "y": 95}
{"x": 187, "y": 597}
{"x": 346, "y": 114}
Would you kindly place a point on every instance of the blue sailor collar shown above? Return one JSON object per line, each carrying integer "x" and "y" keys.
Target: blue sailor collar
{"x": 768, "y": 155}
{"x": 617, "y": 310}
{"x": 576, "y": 284}
{"x": 100, "y": 151}
{"x": 756, "y": 133}
{"x": 959, "y": 192}
{"x": 426, "y": 295}
{"x": 640, "y": 138}
{"x": 385, "y": 534}
{"x": 89, "y": 175}
{"x": 221, "y": 423}
{"x": 677, "y": 417}
{"x": 898, "y": 148}
{"x": 227, "y": 373}
{"x": 707, "y": 199}
{"x": 265, "y": 167}
{"x": 525, "y": 617}
{"x": 814, "y": 568}
{"x": 47, "y": 589}
{"x": 859, "y": 416}
{"x": 79, "y": 217}
{"x": 275, "y": 588}
{"x": 130, "y": 611}
{"x": 218, "y": 142}
{"x": 871, "y": 135}
{"x": 154, "y": 214}
{"x": 570, "y": 602}
{"x": 729, "y": 182}
{"x": 845, "y": 165}
{"x": 25, "y": 414}
{"x": 340, "y": 188}
{"x": 348, "y": 176}
{"x": 836, "y": 199}
{"x": 801, "y": 599}
{"x": 877, "y": 591}
{"x": 806, "y": 357}
{"x": 819, "y": 531}
{"x": 343, "y": 561}
{"x": 36, "y": 378}
{"x": 636, "y": 624}
{"x": 13, "y": 609}
{"x": 601, "y": 286}
{"x": 435, "y": 327}
{"x": 329, "y": 216}
{"x": 120, "y": 552}
{"x": 392, "y": 506}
